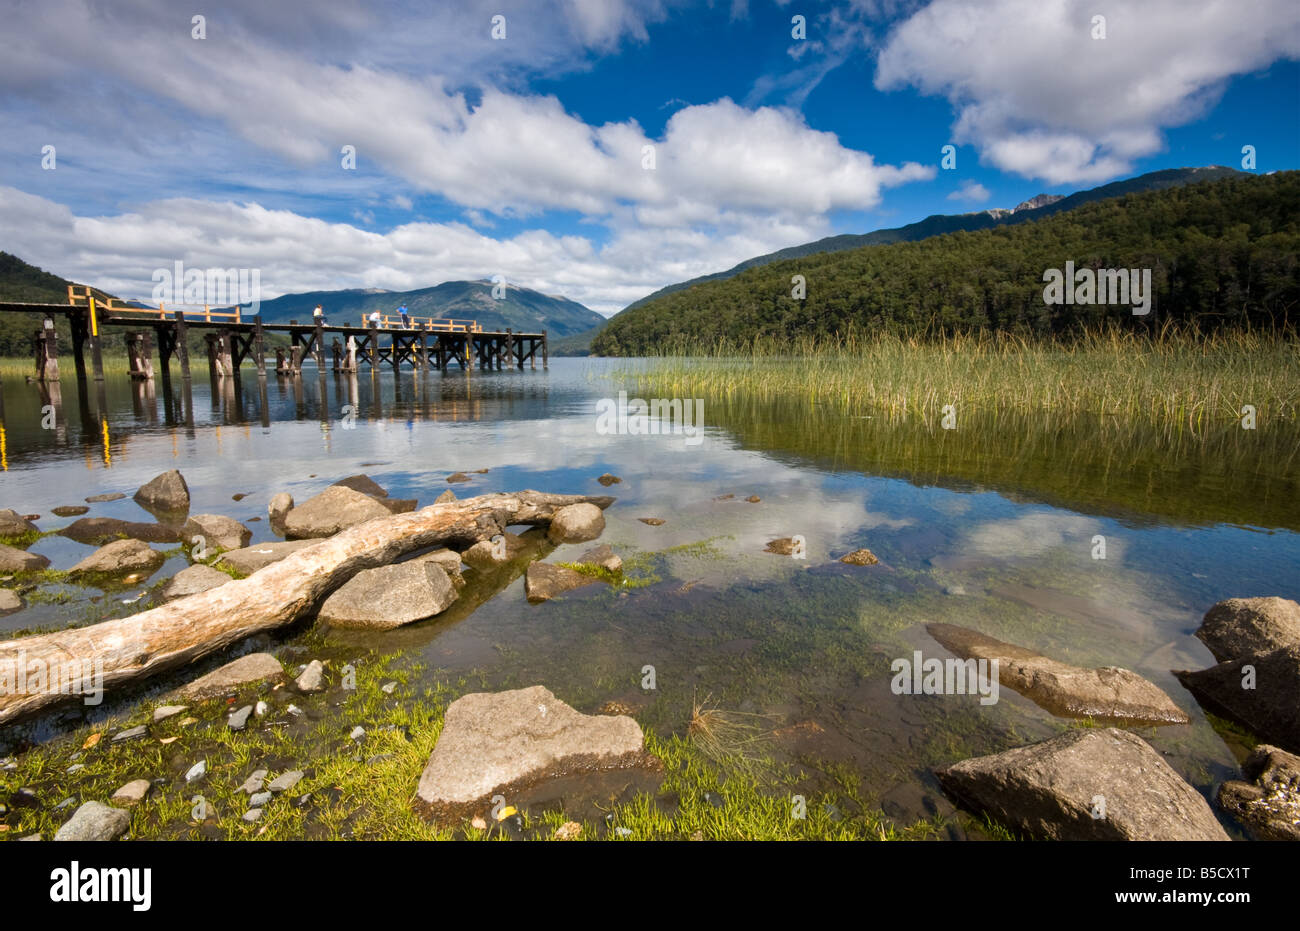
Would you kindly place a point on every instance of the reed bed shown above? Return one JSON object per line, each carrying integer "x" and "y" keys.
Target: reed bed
{"x": 1173, "y": 378}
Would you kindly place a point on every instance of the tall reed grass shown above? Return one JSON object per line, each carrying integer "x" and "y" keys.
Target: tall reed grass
{"x": 1176, "y": 377}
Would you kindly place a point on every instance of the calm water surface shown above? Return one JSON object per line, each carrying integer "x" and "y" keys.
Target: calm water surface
{"x": 991, "y": 526}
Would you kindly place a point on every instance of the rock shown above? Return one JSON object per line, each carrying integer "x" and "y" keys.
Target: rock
{"x": 490, "y": 741}
{"x": 390, "y": 596}
{"x": 95, "y": 821}
{"x": 608, "y": 480}
{"x": 1240, "y": 626}
{"x": 652, "y": 521}
{"x": 238, "y": 720}
{"x": 198, "y": 770}
{"x": 860, "y": 558}
{"x": 334, "y": 509}
{"x": 252, "y": 815}
{"x": 483, "y": 555}
{"x": 458, "y": 477}
{"x": 23, "y": 797}
{"x": 570, "y": 830}
{"x": 259, "y": 555}
{"x": 445, "y": 497}
{"x": 100, "y": 530}
{"x": 782, "y": 546}
{"x": 9, "y": 602}
{"x": 132, "y": 793}
{"x": 13, "y": 524}
{"x": 164, "y": 712}
{"x": 217, "y": 530}
{"x": 1270, "y": 707}
{"x": 260, "y": 799}
{"x": 357, "y": 733}
{"x": 544, "y": 581}
{"x": 131, "y": 733}
{"x": 1050, "y": 790}
{"x": 362, "y": 483}
{"x": 602, "y": 556}
{"x": 399, "y": 505}
{"x": 312, "y": 678}
{"x": 193, "y": 579}
{"x": 255, "y": 668}
{"x": 120, "y": 557}
{"x": 69, "y": 510}
{"x": 1109, "y": 693}
{"x": 13, "y": 559}
{"x": 285, "y": 782}
{"x": 1268, "y": 805}
{"x": 450, "y": 561}
{"x": 167, "y": 493}
{"x": 110, "y": 496}
{"x": 254, "y": 782}
{"x": 753, "y": 499}
{"x": 576, "y": 523}
{"x": 280, "y": 505}
{"x": 261, "y": 708}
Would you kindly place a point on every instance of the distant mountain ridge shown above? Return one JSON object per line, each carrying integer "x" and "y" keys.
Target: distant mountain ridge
{"x": 521, "y": 309}
{"x": 1043, "y": 205}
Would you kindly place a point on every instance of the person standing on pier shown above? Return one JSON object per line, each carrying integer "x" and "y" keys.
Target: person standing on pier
{"x": 318, "y": 315}
{"x": 406, "y": 318}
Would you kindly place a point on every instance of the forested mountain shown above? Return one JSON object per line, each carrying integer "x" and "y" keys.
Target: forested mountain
{"x": 1223, "y": 252}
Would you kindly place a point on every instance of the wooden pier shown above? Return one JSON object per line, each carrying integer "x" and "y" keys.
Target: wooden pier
{"x": 232, "y": 340}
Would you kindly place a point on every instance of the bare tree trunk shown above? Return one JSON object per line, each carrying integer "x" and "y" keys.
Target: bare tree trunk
{"x": 133, "y": 648}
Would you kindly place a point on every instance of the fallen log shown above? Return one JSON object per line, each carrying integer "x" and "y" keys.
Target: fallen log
{"x": 130, "y": 649}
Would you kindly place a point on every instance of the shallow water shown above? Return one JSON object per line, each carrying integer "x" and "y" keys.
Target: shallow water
{"x": 991, "y": 526}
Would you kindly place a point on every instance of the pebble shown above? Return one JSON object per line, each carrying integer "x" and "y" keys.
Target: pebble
{"x": 254, "y": 782}
{"x": 252, "y": 815}
{"x": 132, "y": 793}
{"x": 167, "y": 711}
{"x": 357, "y": 732}
{"x": 259, "y": 800}
{"x": 76, "y": 768}
{"x": 131, "y": 733}
{"x": 388, "y": 687}
{"x": 197, "y": 770}
{"x": 24, "y": 798}
{"x": 623, "y": 832}
{"x": 240, "y": 718}
{"x": 294, "y": 710}
{"x": 261, "y": 708}
{"x": 65, "y": 803}
{"x": 312, "y": 678}
{"x": 286, "y": 782}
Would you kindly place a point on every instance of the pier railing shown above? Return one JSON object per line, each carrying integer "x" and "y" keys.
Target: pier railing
{"x": 395, "y": 322}
{"x": 82, "y": 297}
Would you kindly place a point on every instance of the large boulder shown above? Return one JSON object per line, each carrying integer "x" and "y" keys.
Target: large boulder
{"x": 100, "y": 530}
{"x": 255, "y": 668}
{"x": 390, "y": 596}
{"x": 576, "y": 523}
{"x": 1108, "y": 693}
{"x": 1085, "y": 784}
{"x": 448, "y": 560}
{"x": 192, "y": 580}
{"x": 251, "y": 558}
{"x": 544, "y": 581}
{"x": 1269, "y": 804}
{"x": 217, "y": 531}
{"x": 1240, "y": 626}
{"x": 166, "y": 493}
{"x": 334, "y": 509}
{"x": 1260, "y": 691}
{"x": 13, "y": 524}
{"x": 120, "y": 558}
{"x": 484, "y": 554}
{"x": 491, "y": 742}
{"x": 278, "y": 508}
{"x": 95, "y": 821}
{"x": 13, "y": 559}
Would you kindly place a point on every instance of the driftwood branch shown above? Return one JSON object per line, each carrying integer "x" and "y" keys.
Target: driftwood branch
{"x": 134, "y": 648}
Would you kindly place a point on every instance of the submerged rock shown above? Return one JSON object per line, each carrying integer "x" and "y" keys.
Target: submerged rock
{"x": 9, "y": 602}
{"x": 607, "y": 479}
{"x": 1268, "y": 805}
{"x": 95, "y": 821}
{"x": 860, "y": 558}
{"x": 362, "y": 483}
{"x": 390, "y": 596}
{"x": 782, "y": 546}
{"x": 252, "y": 669}
{"x": 652, "y": 521}
{"x": 120, "y": 557}
{"x": 109, "y": 496}
{"x": 576, "y": 523}
{"x": 70, "y": 510}
{"x": 192, "y": 580}
{"x": 167, "y": 493}
{"x": 101, "y": 530}
{"x": 13, "y": 559}
{"x": 251, "y": 558}
{"x": 1109, "y": 692}
{"x": 1260, "y": 691}
{"x": 490, "y": 741}
{"x": 458, "y": 477}
{"x": 544, "y": 581}
{"x": 1240, "y": 626}
{"x": 217, "y": 531}
{"x": 602, "y": 556}
{"x": 334, "y": 509}
{"x": 1085, "y": 784}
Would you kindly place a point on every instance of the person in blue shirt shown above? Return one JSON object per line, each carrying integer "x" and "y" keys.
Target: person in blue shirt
{"x": 406, "y": 319}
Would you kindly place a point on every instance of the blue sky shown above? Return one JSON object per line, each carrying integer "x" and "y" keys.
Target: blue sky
{"x": 525, "y": 155}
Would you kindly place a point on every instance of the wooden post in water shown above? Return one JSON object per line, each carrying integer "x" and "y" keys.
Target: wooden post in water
{"x": 318, "y": 345}
{"x": 259, "y": 345}
{"x": 79, "y": 327}
{"x": 182, "y": 345}
{"x": 146, "y": 340}
{"x": 510, "y": 347}
{"x": 225, "y": 361}
{"x": 281, "y": 367}
{"x": 47, "y": 352}
{"x": 546, "y": 359}
{"x": 423, "y": 357}
{"x": 96, "y": 356}
{"x": 336, "y": 351}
